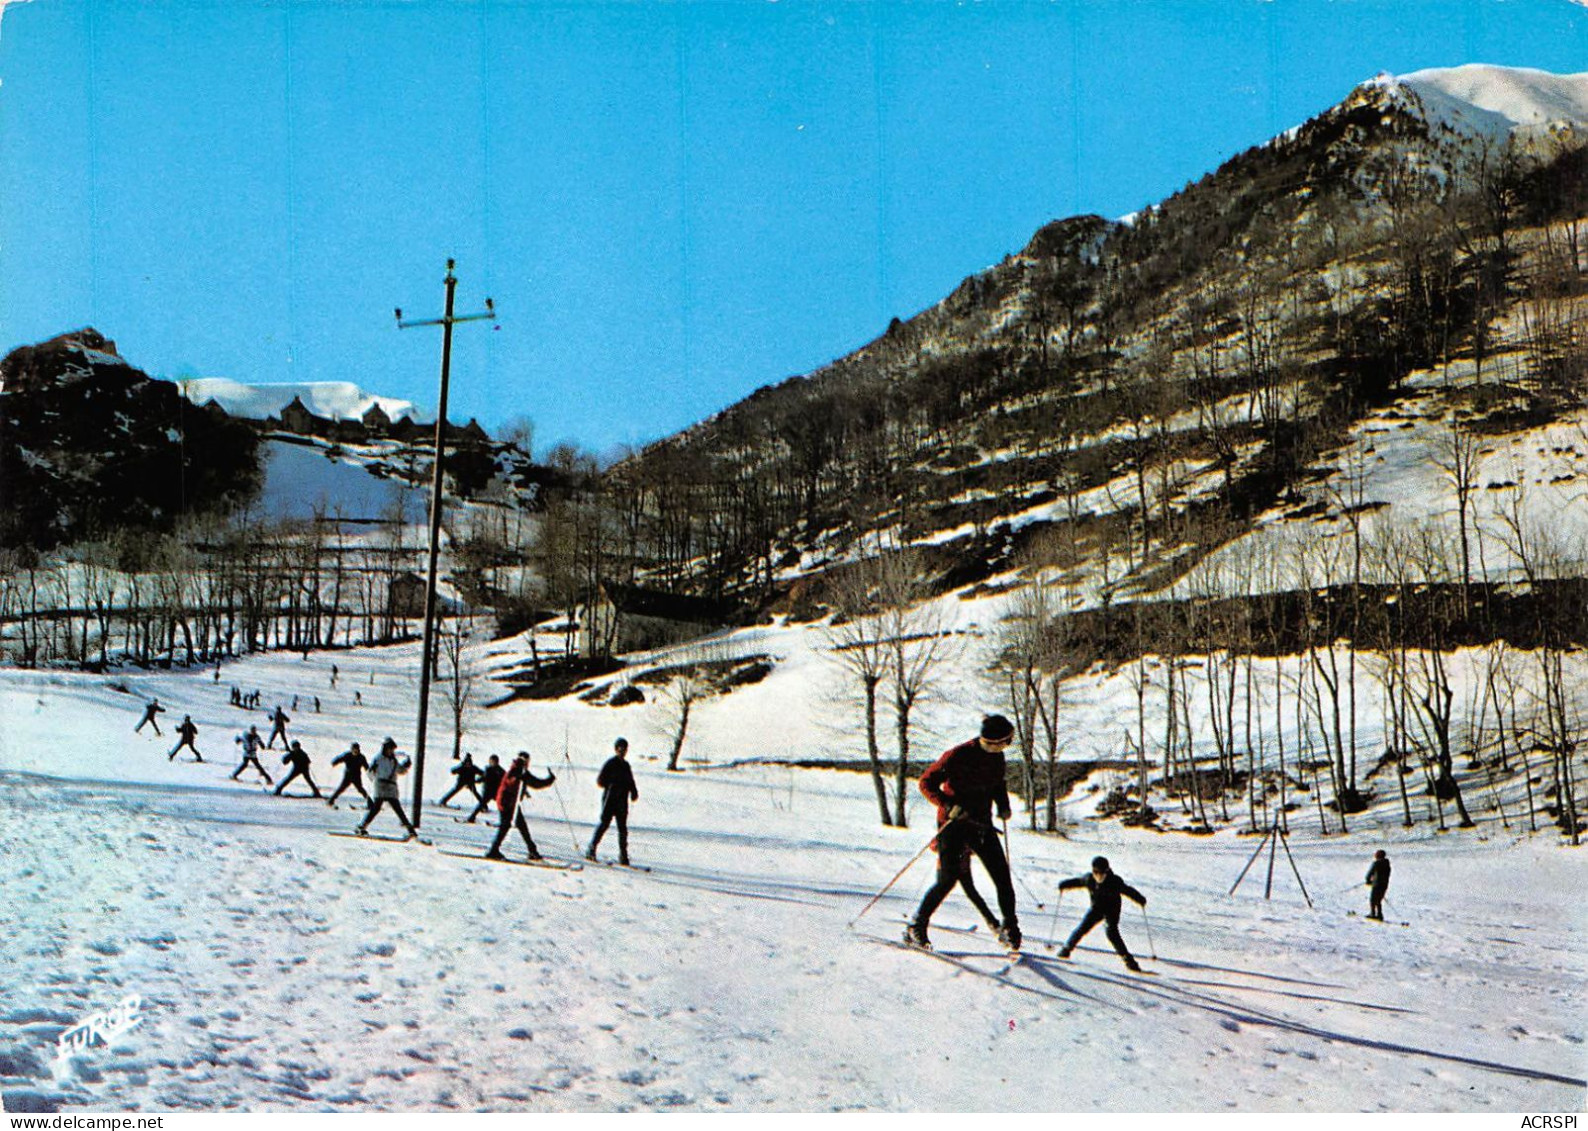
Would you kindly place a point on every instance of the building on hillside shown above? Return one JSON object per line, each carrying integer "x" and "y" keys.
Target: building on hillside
{"x": 377, "y": 422}
{"x": 630, "y": 618}
{"x": 297, "y": 418}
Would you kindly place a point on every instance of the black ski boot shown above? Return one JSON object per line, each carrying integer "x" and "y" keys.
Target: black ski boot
{"x": 916, "y": 936}
{"x": 1009, "y": 935}
{"x": 1133, "y": 966}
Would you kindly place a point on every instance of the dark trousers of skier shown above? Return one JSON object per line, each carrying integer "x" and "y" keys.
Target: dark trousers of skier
{"x": 1093, "y": 918}
{"x": 281, "y": 729}
{"x": 462, "y": 785}
{"x": 1375, "y": 900}
{"x": 298, "y": 773}
{"x": 150, "y": 719}
{"x": 968, "y": 886}
{"x": 610, "y": 813}
{"x": 252, "y": 760}
{"x": 374, "y": 808}
{"x": 956, "y": 842}
{"x": 512, "y": 816}
{"x": 480, "y": 808}
{"x": 188, "y": 742}
{"x": 351, "y": 781}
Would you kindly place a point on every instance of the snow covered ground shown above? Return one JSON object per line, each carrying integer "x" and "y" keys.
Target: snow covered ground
{"x": 279, "y": 968}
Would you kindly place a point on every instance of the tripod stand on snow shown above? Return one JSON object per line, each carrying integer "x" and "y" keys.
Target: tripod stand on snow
{"x": 1272, "y": 840}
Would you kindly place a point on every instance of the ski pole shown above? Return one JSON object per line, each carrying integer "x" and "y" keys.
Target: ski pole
{"x": 1010, "y": 860}
{"x": 1053, "y": 929}
{"x": 1150, "y": 948}
{"x": 556, "y": 787}
{"x": 898, "y": 875}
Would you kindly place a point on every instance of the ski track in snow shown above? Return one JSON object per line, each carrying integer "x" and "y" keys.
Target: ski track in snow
{"x": 283, "y": 969}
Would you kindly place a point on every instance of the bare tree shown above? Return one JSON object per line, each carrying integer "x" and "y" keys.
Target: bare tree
{"x": 856, "y": 638}
{"x": 918, "y": 646}
{"x": 459, "y": 676}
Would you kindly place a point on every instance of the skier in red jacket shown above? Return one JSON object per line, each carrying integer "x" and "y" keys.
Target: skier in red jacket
{"x": 966, "y": 784}
{"x": 514, "y": 782}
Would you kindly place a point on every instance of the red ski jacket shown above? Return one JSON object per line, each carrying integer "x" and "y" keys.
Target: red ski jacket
{"x": 507, "y": 792}
{"x": 972, "y": 778}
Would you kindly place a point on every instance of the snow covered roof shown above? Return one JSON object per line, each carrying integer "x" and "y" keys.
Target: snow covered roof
{"x": 331, "y": 400}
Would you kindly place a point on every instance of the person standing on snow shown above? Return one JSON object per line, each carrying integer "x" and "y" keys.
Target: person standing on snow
{"x": 1106, "y": 889}
{"x": 1378, "y": 877}
{"x": 385, "y": 770}
{"x": 353, "y": 765}
{"x": 617, "y": 780}
{"x": 252, "y": 744}
{"x": 490, "y": 784}
{"x": 298, "y": 758}
{"x": 965, "y": 784}
{"x": 149, "y": 712}
{"x": 511, "y": 792}
{"x": 467, "y": 774}
{"x": 189, "y": 732}
{"x": 279, "y": 720}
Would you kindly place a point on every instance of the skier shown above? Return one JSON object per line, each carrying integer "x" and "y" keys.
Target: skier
{"x": 149, "y": 712}
{"x": 188, "y": 732}
{"x": 508, "y": 796}
{"x": 467, "y": 774}
{"x": 385, "y": 769}
{"x": 1378, "y": 882}
{"x": 490, "y": 783}
{"x": 965, "y": 784}
{"x": 252, "y": 744}
{"x": 617, "y": 780}
{"x": 299, "y": 760}
{"x": 353, "y": 765}
{"x": 1106, "y": 889}
{"x": 279, "y": 720}
{"x": 334, "y": 673}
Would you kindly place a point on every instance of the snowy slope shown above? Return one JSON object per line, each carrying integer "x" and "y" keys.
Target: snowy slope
{"x": 1504, "y": 98}
{"x": 282, "y": 969}
{"x": 300, "y": 478}
{"x": 332, "y": 400}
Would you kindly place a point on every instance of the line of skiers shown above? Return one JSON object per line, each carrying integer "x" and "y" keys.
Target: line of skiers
{"x": 967, "y": 784}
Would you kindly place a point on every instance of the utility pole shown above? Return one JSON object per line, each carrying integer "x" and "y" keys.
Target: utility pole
{"x": 427, "y": 649}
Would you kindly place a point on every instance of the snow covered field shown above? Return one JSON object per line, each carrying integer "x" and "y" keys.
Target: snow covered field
{"x": 280, "y": 968}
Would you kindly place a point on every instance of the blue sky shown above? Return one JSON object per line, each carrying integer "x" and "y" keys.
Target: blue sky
{"x": 671, "y": 204}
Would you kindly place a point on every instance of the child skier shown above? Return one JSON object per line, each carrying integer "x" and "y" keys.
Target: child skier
{"x": 385, "y": 770}
{"x": 149, "y": 712}
{"x": 617, "y": 780}
{"x": 189, "y": 732}
{"x": 1378, "y": 877}
{"x": 353, "y": 765}
{"x": 298, "y": 759}
{"x": 279, "y": 720}
{"x": 252, "y": 744}
{"x": 514, "y": 782}
{"x": 490, "y": 783}
{"x": 1105, "y": 888}
{"x": 467, "y": 774}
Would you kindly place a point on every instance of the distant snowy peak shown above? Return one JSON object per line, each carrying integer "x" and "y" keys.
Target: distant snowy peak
{"x": 1492, "y": 102}
{"x": 331, "y": 400}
